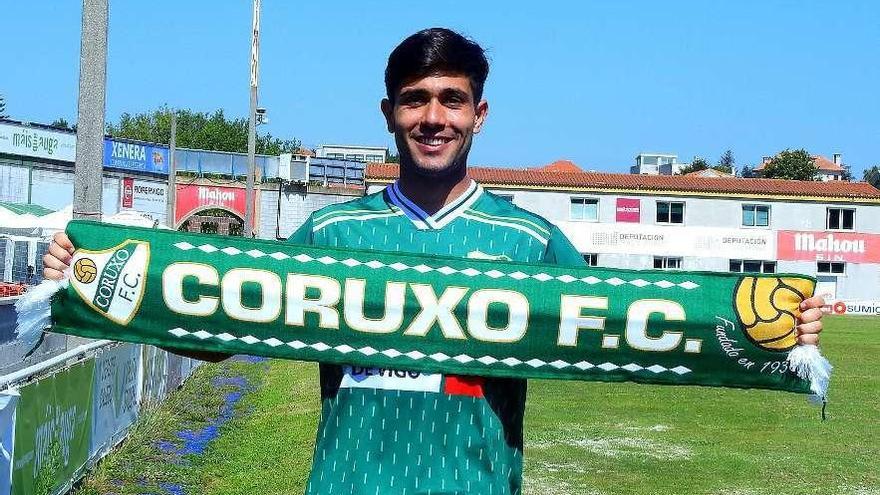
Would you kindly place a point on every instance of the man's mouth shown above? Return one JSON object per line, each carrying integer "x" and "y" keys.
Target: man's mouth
{"x": 432, "y": 140}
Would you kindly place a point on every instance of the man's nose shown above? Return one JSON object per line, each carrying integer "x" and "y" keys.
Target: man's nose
{"x": 435, "y": 115}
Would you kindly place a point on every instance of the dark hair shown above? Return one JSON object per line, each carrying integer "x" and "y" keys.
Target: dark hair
{"x": 432, "y": 51}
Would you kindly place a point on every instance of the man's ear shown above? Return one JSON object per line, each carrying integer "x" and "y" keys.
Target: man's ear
{"x": 480, "y": 115}
{"x": 388, "y": 111}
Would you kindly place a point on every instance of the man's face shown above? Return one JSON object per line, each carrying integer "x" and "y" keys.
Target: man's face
{"x": 433, "y": 120}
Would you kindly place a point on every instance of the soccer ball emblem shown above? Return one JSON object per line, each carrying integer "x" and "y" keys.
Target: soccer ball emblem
{"x": 768, "y": 309}
{"x": 85, "y": 270}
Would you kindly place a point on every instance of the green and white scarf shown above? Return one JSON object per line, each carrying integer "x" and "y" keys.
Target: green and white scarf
{"x": 429, "y": 313}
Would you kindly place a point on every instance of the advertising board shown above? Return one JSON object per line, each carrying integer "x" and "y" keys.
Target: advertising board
{"x": 863, "y": 308}
{"x": 851, "y": 247}
{"x": 116, "y": 395}
{"x": 624, "y": 238}
{"x": 144, "y": 196}
{"x": 37, "y": 143}
{"x": 192, "y": 198}
{"x": 628, "y": 210}
{"x": 141, "y": 157}
{"x": 52, "y": 429}
{"x": 8, "y": 403}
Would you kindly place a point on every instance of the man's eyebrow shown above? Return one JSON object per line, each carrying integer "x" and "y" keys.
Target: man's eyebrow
{"x": 412, "y": 92}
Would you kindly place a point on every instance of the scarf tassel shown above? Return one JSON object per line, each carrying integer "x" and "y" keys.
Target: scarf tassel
{"x": 808, "y": 364}
{"x": 34, "y": 310}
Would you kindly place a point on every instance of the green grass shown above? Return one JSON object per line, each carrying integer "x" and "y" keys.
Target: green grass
{"x": 581, "y": 438}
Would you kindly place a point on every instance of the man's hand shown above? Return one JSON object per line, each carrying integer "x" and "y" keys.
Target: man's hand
{"x": 57, "y": 259}
{"x": 810, "y": 321}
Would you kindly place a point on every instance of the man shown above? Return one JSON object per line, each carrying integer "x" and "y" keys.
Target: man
{"x": 394, "y": 431}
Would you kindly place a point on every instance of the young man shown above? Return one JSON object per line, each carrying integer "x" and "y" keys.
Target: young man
{"x": 394, "y": 431}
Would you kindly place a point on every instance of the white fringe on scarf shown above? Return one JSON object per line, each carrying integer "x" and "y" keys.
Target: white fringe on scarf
{"x": 808, "y": 364}
{"x": 34, "y": 310}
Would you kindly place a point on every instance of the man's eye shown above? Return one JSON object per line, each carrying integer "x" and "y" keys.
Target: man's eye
{"x": 454, "y": 100}
{"x": 412, "y": 101}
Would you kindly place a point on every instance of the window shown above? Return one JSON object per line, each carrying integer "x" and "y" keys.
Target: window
{"x": 670, "y": 212}
{"x": 507, "y": 197}
{"x": 585, "y": 209}
{"x": 831, "y": 267}
{"x": 592, "y": 259}
{"x": 841, "y": 219}
{"x": 756, "y": 216}
{"x": 667, "y": 263}
{"x": 374, "y": 158}
{"x": 357, "y": 157}
{"x": 752, "y": 266}
{"x": 336, "y": 156}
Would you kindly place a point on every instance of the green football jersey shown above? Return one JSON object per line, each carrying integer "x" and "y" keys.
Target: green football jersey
{"x": 396, "y": 431}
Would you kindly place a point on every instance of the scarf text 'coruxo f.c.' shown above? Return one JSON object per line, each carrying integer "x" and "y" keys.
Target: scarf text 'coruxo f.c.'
{"x": 433, "y": 314}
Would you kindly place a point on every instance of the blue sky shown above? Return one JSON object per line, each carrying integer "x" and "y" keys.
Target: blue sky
{"x": 593, "y": 82}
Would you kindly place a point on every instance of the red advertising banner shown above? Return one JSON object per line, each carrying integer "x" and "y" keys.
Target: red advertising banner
{"x": 127, "y": 192}
{"x": 628, "y": 210}
{"x": 192, "y": 198}
{"x": 851, "y": 247}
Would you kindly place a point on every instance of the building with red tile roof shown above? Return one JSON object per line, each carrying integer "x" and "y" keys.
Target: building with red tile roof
{"x": 830, "y": 230}
{"x": 826, "y": 170}
{"x": 544, "y": 178}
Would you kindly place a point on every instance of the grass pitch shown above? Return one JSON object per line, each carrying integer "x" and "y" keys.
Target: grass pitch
{"x": 581, "y": 438}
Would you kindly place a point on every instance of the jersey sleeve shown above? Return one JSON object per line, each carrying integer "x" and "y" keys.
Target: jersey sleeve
{"x": 304, "y": 234}
{"x": 560, "y": 250}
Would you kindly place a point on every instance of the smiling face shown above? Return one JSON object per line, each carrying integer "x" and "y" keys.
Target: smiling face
{"x": 433, "y": 119}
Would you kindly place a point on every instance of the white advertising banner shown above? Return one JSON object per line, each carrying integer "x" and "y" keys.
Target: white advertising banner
{"x": 37, "y": 143}
{"x": 8, "y": 403}
{"x": 144, "y": 196}
{"x": 117, "y": 395}
{"x": 622, "y": 238}
{"x": 864, "y": 308}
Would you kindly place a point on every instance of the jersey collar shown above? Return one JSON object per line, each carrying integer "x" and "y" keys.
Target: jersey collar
{"x": 438, "y": 220}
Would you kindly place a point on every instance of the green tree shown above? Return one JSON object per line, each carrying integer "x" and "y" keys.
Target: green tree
{"x": 393, "y": 158}
{"x": 747, "y": 172}
{"x": 696, "y": 165}
{"x": 872, "y": 176}
{"x": 3, "y": 114}
{"x": 846, "y": 174}
{"x": 198, "y": 130}
{"x": 62, "y": 123}
{"x": 726, "y": 163}
{"x": 794, "y": 165}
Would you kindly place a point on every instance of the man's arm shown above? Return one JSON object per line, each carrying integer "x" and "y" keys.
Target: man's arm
{"x": 560, "y": 250}
{"x": 303, "y": 235}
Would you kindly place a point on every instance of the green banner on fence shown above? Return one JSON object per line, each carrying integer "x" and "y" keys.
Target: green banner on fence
{"x": 52, "y": 429}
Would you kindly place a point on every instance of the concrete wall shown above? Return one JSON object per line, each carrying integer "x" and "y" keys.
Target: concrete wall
{"x": 296, "y": 206}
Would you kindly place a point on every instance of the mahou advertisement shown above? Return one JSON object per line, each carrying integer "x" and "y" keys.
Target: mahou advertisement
{"x": 192, "y": 198}
{"x": 850, "y": 247}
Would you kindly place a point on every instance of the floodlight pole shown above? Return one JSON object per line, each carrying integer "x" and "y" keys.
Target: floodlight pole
{"x": 171, "y": 195}
{"x": 248, "y": 230}
{"x": 88, "y": 183}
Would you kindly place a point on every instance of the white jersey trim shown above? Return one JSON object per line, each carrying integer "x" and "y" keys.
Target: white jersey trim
{"x": 521, "y": 228}
{"x": 342, "y": 218}
{"x": 421, "y": 219}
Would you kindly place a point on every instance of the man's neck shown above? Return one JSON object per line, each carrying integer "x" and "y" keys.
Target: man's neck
{"x": 433, "y": 193}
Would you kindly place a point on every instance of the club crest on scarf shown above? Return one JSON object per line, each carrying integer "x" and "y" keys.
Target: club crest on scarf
{"x": 112, "y": 281}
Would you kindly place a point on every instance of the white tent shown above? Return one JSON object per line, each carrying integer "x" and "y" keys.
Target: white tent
{"x": 55, "y": 221}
